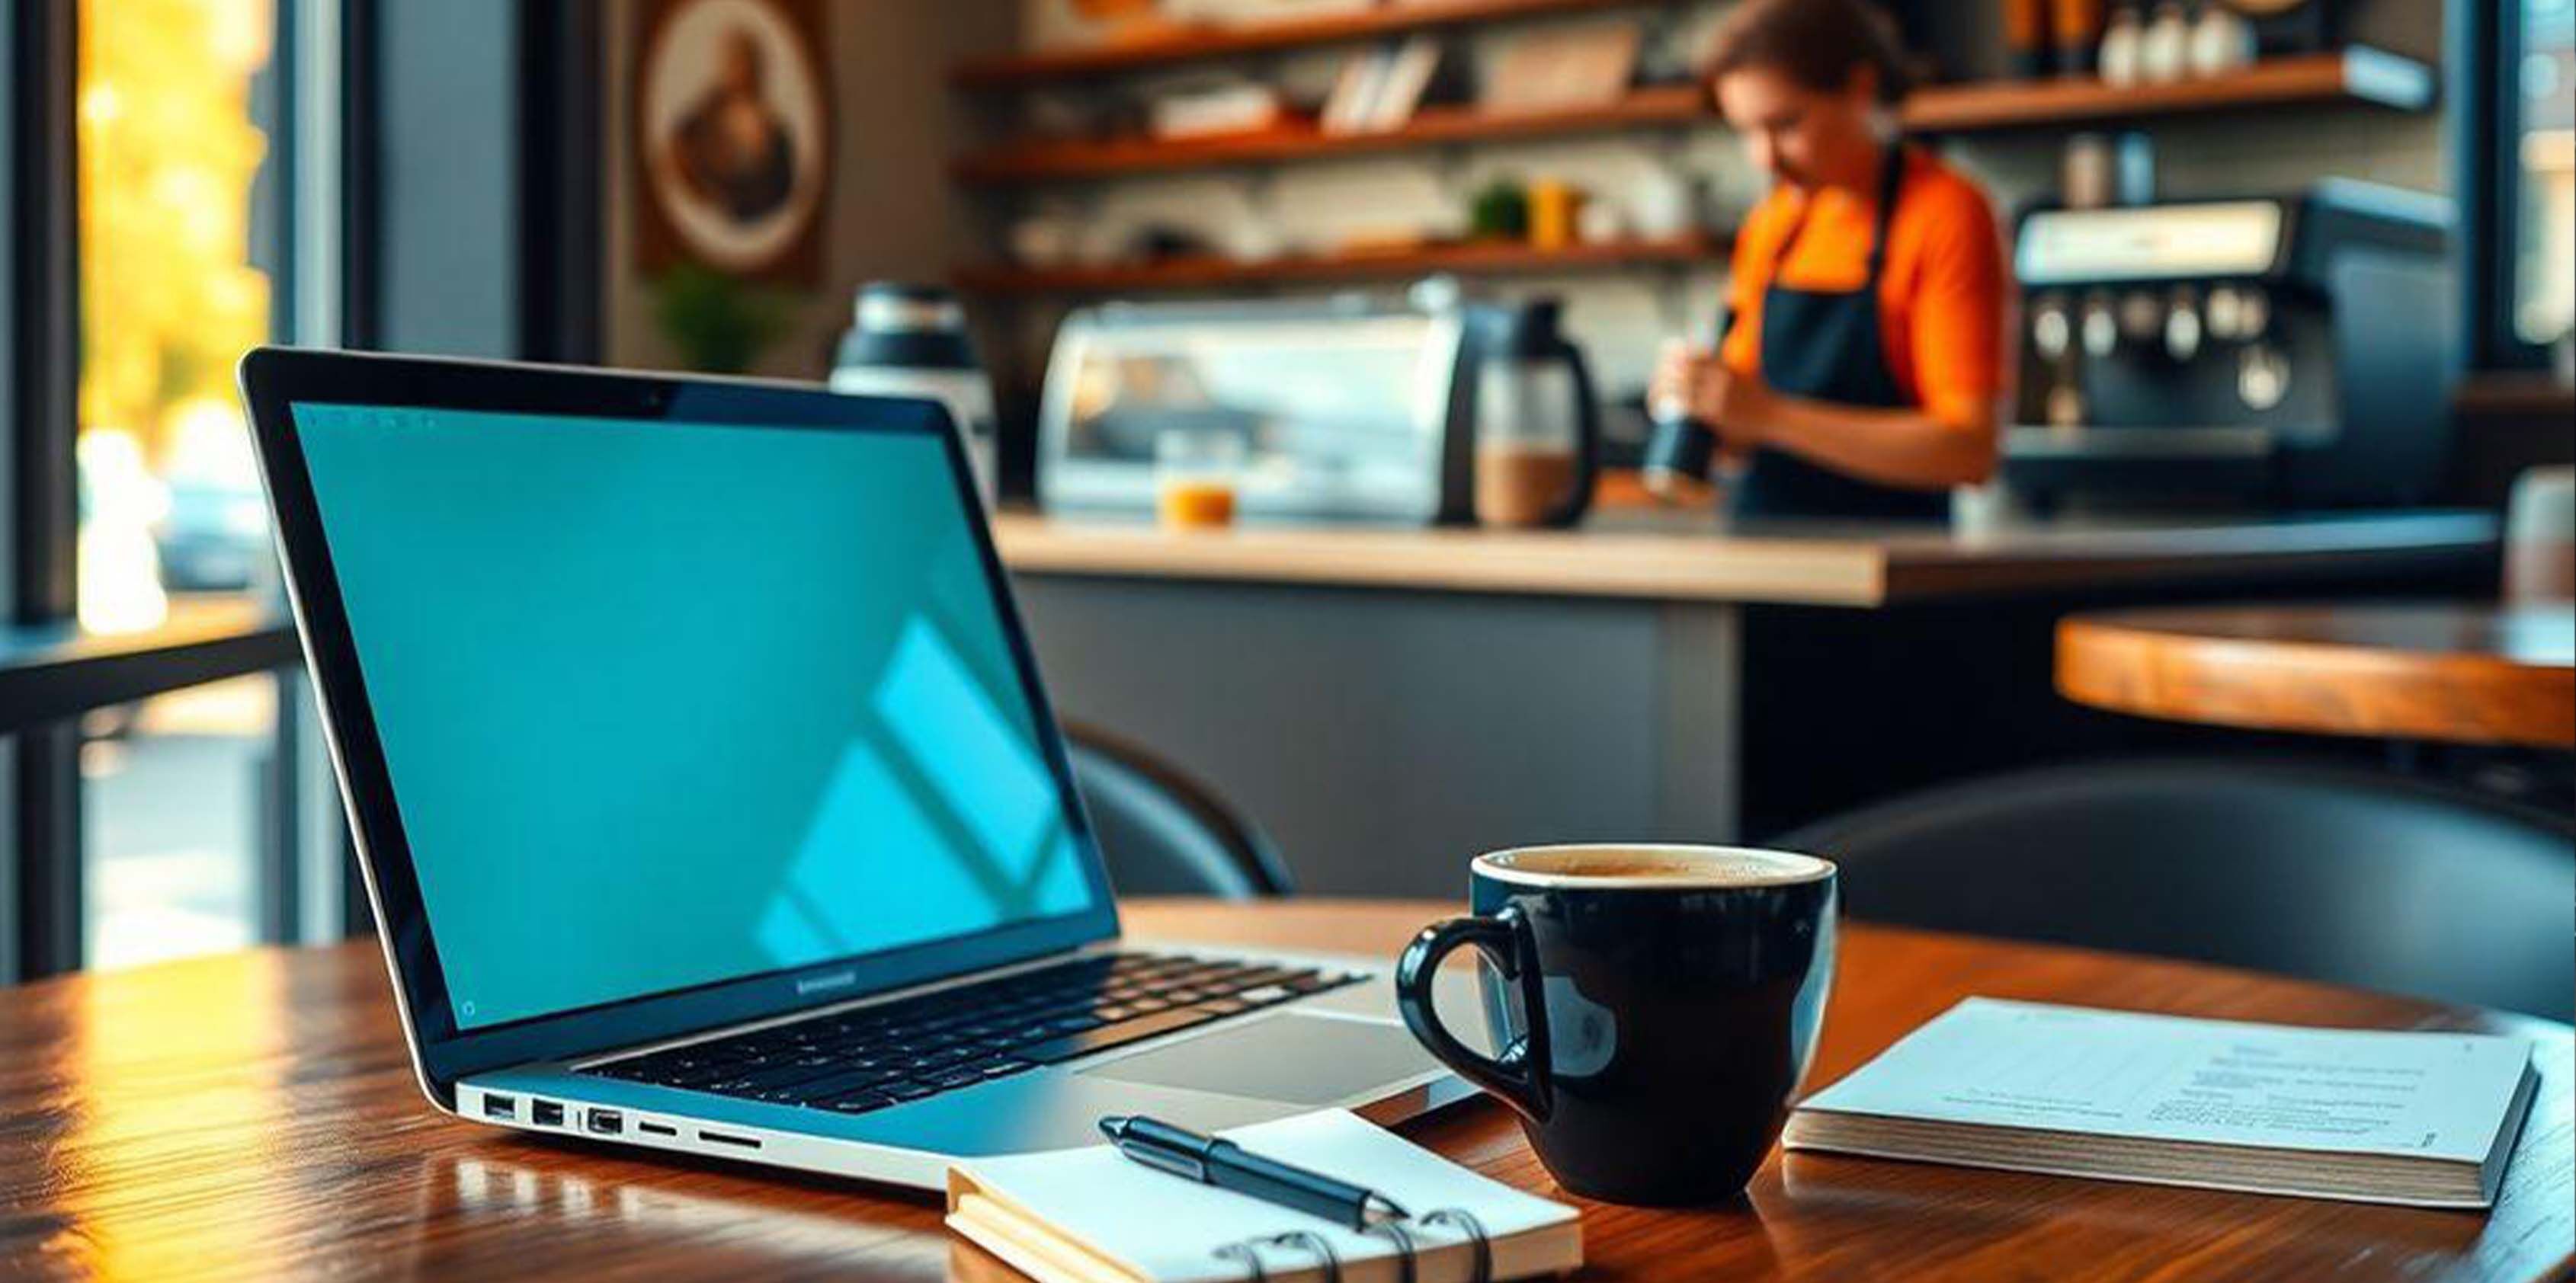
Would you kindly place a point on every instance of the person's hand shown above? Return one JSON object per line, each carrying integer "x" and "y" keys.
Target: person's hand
{"x": 1688, "y": 380}
{"x": 1743, "y": 411}
{"x": 1698, "y": 384}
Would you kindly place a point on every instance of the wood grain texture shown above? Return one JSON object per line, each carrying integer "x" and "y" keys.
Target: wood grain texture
{"x": 253, "y": 1116}
{"x": 1689, "y": 557}
{"x": 2464, "y": 674}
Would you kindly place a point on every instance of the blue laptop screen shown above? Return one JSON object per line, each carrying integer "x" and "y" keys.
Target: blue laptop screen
{"x": 667, "y": 704}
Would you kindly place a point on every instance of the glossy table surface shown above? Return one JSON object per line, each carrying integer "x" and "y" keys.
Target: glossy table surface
{"x": 2469, "y": 674}
{"x": 253, "y": 1116}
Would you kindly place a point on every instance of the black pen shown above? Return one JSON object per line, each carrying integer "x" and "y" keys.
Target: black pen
{"x": 1228, "y": 1166}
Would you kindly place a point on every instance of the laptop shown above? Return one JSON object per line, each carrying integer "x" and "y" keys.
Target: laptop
{"x": 707, "y": 795}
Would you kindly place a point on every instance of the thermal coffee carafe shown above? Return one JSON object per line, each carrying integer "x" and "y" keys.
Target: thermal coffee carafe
{"x": 1531, "y": 417}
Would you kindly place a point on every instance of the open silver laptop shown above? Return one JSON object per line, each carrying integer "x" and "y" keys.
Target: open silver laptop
{"x": 708, "y": 796}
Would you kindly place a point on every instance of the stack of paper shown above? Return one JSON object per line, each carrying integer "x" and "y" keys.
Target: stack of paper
{"x": 2420, "y": 1118}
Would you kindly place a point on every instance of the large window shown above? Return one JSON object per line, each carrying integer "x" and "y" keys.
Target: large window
{"x": 187, "y": 179}
{"x": 2511, "y": 99}
{"x": 182, "y": 233}
{"x": 173, "y": 798}
{"x": 177, "y": 152}
{"x": 2543, "y": 150}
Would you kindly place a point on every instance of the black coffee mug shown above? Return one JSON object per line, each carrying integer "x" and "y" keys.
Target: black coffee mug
{"x": 1655, "y": 1007}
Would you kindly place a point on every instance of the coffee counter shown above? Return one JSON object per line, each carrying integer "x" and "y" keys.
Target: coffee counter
{"x": 1388, "y": 702}
{"x": 1677, "y": 558}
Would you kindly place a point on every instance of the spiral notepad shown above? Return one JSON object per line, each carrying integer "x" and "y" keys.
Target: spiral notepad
{"x": 1092, "y": 1216}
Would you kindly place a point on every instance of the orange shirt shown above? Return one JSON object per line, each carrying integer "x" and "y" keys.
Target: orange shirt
{"x": 1940, "y": 293}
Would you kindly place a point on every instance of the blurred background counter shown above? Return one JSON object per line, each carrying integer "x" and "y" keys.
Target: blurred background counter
{"x": 1388, "y": 701}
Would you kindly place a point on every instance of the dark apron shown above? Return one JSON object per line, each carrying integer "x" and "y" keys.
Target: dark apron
{"x": 1826, "y": 347}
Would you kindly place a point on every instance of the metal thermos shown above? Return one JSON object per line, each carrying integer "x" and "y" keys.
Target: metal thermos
{"x": 1682, "y": 450}
{"x": 1679, "y": 453}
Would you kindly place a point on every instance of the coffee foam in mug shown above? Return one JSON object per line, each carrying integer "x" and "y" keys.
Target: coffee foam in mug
{"x": 1656, "y": 866}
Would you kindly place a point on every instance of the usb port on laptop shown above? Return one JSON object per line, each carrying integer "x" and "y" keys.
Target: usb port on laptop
{"x": 605, "y": 1122}
{"x": 499, "y": 1106}
{"x": 546, "y": 1113}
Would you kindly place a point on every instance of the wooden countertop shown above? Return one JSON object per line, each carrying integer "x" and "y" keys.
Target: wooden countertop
{"x": 1691, "y": 558}
{"x": 253, "y": 1116}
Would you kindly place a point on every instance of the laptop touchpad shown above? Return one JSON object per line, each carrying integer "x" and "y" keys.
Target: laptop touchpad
{"x": 1291, "y": 1057}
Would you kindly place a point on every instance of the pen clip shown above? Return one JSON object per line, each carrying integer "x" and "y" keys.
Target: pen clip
{"x": 1186, "y": 1166}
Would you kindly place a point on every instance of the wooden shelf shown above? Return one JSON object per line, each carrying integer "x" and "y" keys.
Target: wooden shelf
{"x": 2530, "y": 394}
{"x": 1188, "y": 44}
{"x": 1472, "y": 258}
{"x": 1432, "y": 126}
{"x": 2358, "y": 75}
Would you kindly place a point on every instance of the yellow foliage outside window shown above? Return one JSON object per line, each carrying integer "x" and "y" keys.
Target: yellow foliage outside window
{"x": 169, "y": 299}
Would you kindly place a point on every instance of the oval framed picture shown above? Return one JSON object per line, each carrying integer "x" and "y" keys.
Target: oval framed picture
{"x": 733, "y": 114}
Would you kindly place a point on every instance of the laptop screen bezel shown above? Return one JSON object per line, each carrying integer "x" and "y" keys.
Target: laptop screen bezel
{"x": 275, "y": 380}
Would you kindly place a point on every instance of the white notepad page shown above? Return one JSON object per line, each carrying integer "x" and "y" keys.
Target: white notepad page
{"x": 1169, "y": 1229}
{"x": 2021, "y": 1064}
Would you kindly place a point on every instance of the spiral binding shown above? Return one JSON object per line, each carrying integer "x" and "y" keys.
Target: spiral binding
{"x": 1465, "y": 1222}
{"x": 1409, "y": 1248}
{"x": 1405, "y": 1251}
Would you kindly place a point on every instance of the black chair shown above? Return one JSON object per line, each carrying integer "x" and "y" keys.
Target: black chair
{"x": 2323, "y": 872}
{"x": 1164, "y": 833}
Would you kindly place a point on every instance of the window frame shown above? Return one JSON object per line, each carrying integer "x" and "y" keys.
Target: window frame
{"x": 41, "y": 381}
{"x": 54, "y": 673}
{"x": 2483, "y": 43}
{"x": 354, "y": 278}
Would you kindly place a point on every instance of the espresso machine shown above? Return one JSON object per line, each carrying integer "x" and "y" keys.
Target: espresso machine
{"x": 2279, "y": 353}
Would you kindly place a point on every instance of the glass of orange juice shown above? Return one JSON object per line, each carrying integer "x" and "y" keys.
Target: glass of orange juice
{"x": 1196, "y": 472}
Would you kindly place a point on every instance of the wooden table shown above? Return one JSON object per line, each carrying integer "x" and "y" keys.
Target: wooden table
{"x": 2463, "y": 674}
{"x": 253, "y": 1116}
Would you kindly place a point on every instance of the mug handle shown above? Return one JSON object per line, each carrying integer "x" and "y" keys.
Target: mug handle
{"x": 1520, "y": 1074}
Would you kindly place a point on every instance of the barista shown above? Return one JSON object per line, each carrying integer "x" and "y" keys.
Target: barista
{"x": 1861, "y": 373}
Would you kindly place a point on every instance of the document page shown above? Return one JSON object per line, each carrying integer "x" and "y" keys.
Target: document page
{"x": 2033, "y": 1065}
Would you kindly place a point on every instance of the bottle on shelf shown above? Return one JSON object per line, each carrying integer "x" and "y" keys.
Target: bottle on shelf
{"x": 2222, "y": 41}
{"x": 2026, "y": 43}
{"x": 2118, "y": 59}
{"x": 2075, "y": 31}
{"x": 2164, "y": 50}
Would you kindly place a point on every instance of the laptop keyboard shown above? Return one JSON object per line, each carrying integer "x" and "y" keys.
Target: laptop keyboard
{"x": 852, "y": 1062}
